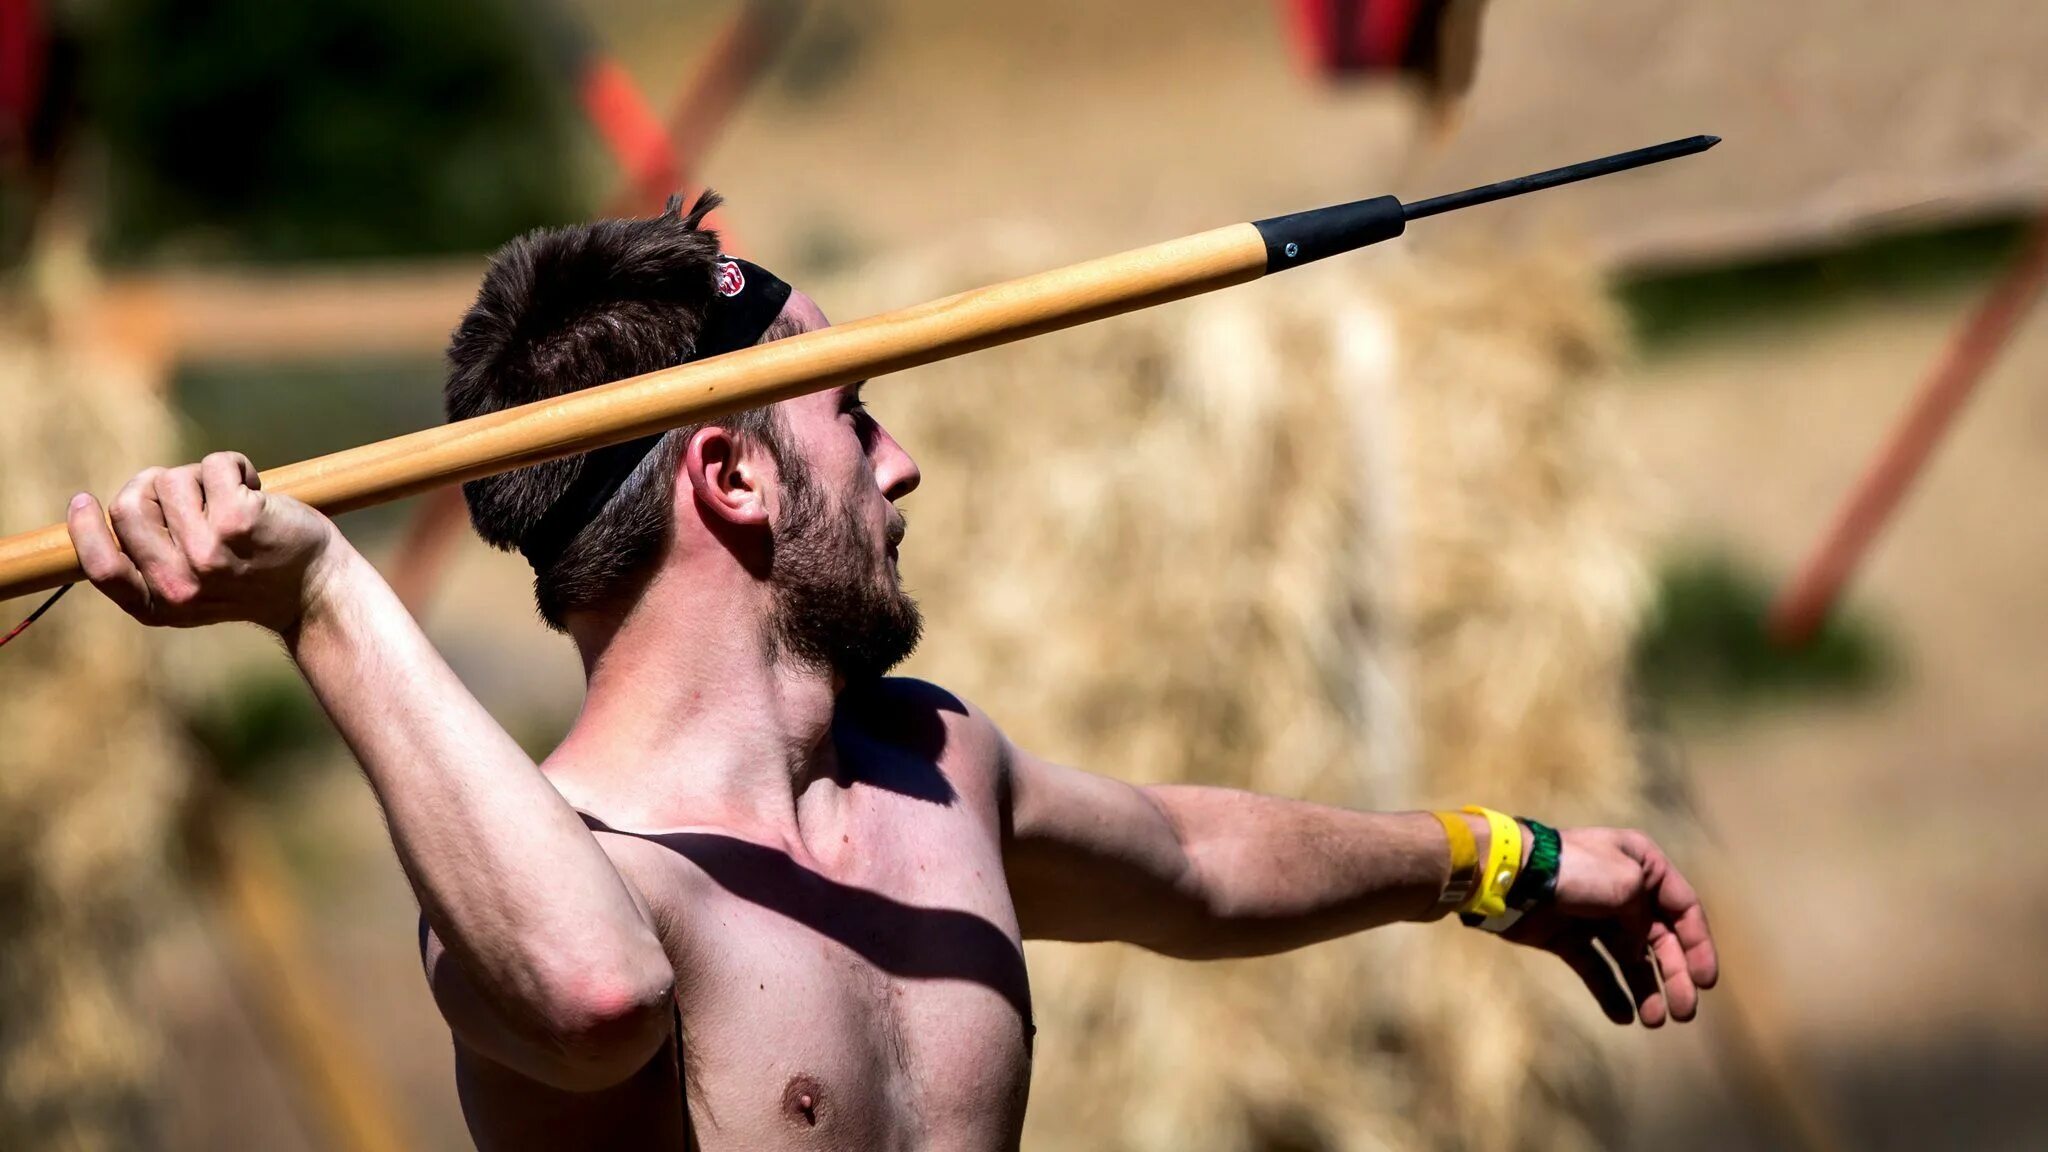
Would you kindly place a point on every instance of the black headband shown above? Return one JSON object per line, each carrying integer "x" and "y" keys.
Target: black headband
{"x": 746, "y": 300}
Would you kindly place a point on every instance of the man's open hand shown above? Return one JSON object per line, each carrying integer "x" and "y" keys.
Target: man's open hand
{"x": 1615, "y": 887}
{"x": 202, "y": 544}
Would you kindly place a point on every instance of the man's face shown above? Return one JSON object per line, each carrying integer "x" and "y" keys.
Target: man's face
{"x": 839, "y": 601}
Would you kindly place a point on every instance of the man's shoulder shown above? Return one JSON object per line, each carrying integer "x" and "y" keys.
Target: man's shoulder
{"x": 924, "y": 719}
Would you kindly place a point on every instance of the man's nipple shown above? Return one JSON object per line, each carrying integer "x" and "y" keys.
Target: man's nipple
{"x": 803, "y": 1101}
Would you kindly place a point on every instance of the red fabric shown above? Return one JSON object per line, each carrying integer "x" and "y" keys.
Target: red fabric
{"x": 21, "y": 66}
{"x": 1384, "y": 32}
{"x": 1344, "y": 37}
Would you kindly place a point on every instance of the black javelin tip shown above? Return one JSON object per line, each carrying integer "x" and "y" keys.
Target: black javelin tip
{"x": 1300, "y": 237}
{"x": 1569, "y": 174}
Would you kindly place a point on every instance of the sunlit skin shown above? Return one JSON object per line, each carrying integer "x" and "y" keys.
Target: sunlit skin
{"x": 828, "y": 885}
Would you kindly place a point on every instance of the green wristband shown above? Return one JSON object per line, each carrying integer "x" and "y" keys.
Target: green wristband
{"x": 1537, "y": 884}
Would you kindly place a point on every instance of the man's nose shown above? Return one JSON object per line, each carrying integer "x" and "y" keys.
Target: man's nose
{"x": 895, "y": 471}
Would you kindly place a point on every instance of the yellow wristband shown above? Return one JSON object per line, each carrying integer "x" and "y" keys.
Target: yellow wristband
{"x": 1503, "y": 863}
{"x": 1464, "y": 862}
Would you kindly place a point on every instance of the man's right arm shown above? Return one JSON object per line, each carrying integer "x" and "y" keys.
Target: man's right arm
{"x": 563, "y": 975}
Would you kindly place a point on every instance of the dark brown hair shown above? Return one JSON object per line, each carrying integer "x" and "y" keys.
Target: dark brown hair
{"x": 564, "y": 309}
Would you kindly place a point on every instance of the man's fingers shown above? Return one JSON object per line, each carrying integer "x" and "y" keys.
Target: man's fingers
{"x": 1584, "y": 959}
{"x": 178, "y": 494}
{"x": 1679, "y": 906}
{"x": 1680, "y": 996}
{"x": 220, "y": 476}
{"x": 139, "y": 525}
{"x": 101, "y": 558}
{"x": 249, "y": 476}
{"x": 1630, "y": 952}
{"x": 233, "y": 496}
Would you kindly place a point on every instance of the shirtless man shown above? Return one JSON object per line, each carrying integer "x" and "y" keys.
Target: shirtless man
{"x": 762, "y": 896}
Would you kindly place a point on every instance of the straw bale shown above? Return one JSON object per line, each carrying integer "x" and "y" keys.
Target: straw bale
{"x": 1356, "y": 540}
{"x": 1520, "y": 585}
{"x": 89, "y": 776}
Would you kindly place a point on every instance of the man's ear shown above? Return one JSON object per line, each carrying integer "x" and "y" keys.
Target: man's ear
{"x": 725, "y": 476}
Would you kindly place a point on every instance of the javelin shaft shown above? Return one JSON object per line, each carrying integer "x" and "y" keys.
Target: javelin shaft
{"x": 708, "y": 389}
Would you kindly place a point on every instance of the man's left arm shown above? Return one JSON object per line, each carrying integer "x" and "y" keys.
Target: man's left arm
{"x": 1208, "y": 873}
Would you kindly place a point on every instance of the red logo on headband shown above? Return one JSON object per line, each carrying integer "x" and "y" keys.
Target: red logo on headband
{"x": 730, "y": 279}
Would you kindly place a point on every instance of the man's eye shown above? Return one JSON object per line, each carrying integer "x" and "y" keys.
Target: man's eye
{"x": 863, "y": 424}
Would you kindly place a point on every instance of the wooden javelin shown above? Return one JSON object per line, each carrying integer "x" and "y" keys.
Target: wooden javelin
{"x": 893, "y": 341}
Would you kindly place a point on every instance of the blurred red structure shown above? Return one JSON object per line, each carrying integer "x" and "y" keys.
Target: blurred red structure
{"x": 1805, "y": 603}
{"x": 21, "y": 68}
{"x": 732, "y": 65}
{"x": 1435, "y": 42}
{"x": 631, "y": 130}
{"x": 656, "y": 162}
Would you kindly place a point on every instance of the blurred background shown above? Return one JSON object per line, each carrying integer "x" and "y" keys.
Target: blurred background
{"x": 1653, "y": 500}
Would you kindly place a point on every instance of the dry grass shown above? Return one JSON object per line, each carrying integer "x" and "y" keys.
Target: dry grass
{"x": 89, "y": 774}
{"x": 1355, "y": 539}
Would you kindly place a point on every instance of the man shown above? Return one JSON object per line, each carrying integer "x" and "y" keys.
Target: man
{"x": 763, "y": 896}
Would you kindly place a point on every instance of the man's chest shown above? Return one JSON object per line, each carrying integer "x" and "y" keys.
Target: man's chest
{"x": 874, "y": 996}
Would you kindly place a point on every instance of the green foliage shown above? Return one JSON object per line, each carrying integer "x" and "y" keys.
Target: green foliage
{"x": 17, "y": 206}
{"x": 1668, "y": 309}
{"x": 830, "y": 44}
{"x": 259, "y": 727}
{"x": 279, "y": 412}
{"x": 260, "y": 130}
{"x": 287, "y": 410}
{"x": 1706, "y": 644}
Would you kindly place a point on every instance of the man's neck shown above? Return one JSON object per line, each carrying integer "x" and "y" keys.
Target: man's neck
{"x": 691, "y": 715}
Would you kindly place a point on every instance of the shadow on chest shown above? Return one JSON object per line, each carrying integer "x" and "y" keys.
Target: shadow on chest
{"x": 904, "y": 940}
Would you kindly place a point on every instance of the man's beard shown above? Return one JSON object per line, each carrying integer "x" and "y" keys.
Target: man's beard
{"x": 836, "y": 608}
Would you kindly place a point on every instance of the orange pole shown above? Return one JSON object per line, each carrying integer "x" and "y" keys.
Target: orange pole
{"x": 1804, "y": 605}
{"x": 353, "y": 1107}
{"x": 731, "y": 66}
{"x": 428, "y": 545}
{"x": 630, "y": 129}
{"x": 655, "y": 164}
